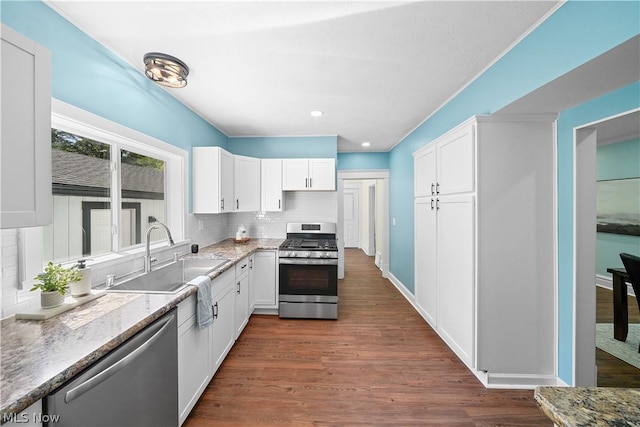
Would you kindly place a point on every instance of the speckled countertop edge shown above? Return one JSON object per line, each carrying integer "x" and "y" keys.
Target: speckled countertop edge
{"x": 36, "y": 357}
{"x": 589, "y": 406}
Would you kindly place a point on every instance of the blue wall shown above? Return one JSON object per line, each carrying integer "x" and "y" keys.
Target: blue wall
{"x": 616, "y": 161}
{"x": 576, "y": 33}
{"x": 90, "y": 77}
{"x": 363, "y": 161}
{"x": 286, "y": 147}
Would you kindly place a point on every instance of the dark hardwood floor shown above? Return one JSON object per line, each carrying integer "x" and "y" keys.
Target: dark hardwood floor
{"x": 613, "y": 372}
{"x": 378, "y": 364}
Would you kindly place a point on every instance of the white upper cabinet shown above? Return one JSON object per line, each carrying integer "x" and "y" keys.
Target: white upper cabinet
{"x": 271, "y": 199}
{"x": 295, "y": 174}
{"x": 456, "y": 162}
{"x": 424, "y": 172}
{"x": 246, "y": 173}
{"x": 322, "y": 174}
{"x": 25, "y": 154}
{"x": 212, "y": 183}
{"x": 309, "y": 174}
{"x": 446, "y": 166}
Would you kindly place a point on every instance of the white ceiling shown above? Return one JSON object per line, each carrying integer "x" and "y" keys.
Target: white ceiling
{"x": 376, "y": 69}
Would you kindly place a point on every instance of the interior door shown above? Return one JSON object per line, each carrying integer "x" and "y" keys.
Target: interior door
{"x": 351, "y": 218}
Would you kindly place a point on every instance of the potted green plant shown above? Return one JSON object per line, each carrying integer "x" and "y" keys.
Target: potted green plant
{"x": 54, "y": 282}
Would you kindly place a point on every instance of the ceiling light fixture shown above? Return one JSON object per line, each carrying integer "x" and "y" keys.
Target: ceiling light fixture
{"x": 316, "y": 113}
{"x": 366, "y": 144}
{"x": 166, "y": 70}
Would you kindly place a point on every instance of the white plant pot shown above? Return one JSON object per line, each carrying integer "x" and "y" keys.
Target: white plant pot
{"x": 51, "y": 299}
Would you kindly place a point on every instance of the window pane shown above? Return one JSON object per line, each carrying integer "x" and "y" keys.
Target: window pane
{"x": 81, "y": 198}
{"x": 143, "y": 201}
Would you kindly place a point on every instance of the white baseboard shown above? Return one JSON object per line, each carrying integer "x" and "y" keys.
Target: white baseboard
{"x": 521, "y": 381}
{"x": 607, "y": 282}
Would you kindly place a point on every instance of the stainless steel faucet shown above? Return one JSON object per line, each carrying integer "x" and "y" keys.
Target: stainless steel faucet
{"x": 147, "y": 255}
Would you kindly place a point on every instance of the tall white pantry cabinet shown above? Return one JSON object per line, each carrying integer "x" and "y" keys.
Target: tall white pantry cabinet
{"x": 484, "y": 212}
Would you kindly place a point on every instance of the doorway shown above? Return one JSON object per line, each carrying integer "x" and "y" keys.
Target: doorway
{"x": 376, "y": 240}
{"x": 587, "y": 139}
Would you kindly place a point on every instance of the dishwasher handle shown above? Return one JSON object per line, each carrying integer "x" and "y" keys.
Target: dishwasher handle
{"x": 78, "y": 391}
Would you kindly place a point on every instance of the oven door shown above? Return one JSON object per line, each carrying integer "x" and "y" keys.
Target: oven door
{"x": 308, "y": 278}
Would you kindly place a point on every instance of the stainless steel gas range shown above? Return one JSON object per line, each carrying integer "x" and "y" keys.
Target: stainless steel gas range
{"x": 308, "y": 262}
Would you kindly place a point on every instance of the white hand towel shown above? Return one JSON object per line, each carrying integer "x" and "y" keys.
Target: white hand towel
{"x": 204, "y": 311}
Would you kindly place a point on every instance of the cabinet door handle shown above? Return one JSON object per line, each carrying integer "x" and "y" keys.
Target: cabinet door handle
{"x": 431, "y": 204}
{"x": 437, "y": 204}
{"x": 237, "y": 203}
{"x": 437, "y": 188}
{"x": 215, "y": 310}
{"x": 251, "y": 264}
{"x": 279, "y": 206}
{"x": 310, "y": 185}
{"x": 306, "y": 183}
{"x": 238, "y": 290}
{"x": 433, "y": 189}
{"x": 222, "y": 204}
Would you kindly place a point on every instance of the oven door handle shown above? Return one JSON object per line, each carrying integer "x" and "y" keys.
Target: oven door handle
{"x": 308, "y": 261}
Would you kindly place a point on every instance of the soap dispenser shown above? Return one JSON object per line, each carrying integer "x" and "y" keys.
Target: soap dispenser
{"x": 83, "y": 287}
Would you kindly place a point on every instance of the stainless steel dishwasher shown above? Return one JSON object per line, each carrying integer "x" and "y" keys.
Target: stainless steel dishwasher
{"x": 134, "y": 385}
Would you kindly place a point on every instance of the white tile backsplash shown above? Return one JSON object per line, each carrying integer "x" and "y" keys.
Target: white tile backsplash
{"x": 299, "y": 207}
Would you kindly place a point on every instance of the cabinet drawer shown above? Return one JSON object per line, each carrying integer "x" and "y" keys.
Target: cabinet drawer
{"x": 187, "y": 309}
{"x": 221, "y": 282}
{"x": 242, "y": 267}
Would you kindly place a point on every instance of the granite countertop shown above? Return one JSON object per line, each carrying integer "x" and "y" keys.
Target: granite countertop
{"x": 590, "y": 406}
{"x": 36, "y": 357}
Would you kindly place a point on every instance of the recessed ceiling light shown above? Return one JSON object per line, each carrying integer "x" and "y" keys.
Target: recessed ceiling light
{"x": 316, "y": 113}
{"x": 366, "y": 144}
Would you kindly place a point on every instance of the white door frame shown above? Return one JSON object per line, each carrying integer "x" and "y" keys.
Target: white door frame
{"x": 373, "y": 220}
{"x": 584, "y": 248}
{"x": 382, "y": 174}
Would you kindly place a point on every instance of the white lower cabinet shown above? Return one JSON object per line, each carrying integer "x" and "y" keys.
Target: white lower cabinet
{"x": 194, "y": 361}
{"x": 455, "y": 275}
{"x": 426, "y": 251}
{"x": 263, "y": 278}
{"x": 222, "y": 329}
{"x": 202, "y": 351}
{"x": 242, "y": 296}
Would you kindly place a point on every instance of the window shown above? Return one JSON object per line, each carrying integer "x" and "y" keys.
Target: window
{"x": 109, "y": 184}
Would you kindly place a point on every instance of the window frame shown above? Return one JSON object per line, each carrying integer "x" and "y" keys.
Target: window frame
{"x": 75, "y": 120}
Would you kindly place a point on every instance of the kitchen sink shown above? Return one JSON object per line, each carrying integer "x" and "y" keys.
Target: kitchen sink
{"x": 194, "y": 267}
{"x": 168, "y": 279}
